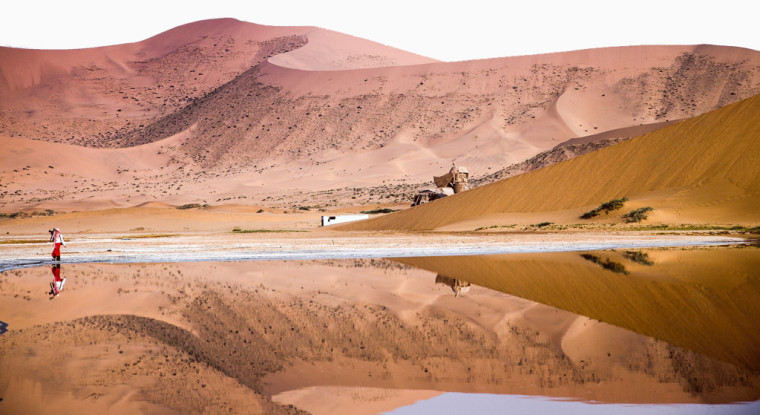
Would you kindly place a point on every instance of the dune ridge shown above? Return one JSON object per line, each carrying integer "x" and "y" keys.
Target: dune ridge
{"x": 707, "y": 164}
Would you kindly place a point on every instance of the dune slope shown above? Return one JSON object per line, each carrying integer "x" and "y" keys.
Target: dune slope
{"x": 708, "y": 166}
{"x": 290, "y": 110}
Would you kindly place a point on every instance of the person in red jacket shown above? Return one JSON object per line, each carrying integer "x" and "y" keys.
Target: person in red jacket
{"x": 56, "y": 237}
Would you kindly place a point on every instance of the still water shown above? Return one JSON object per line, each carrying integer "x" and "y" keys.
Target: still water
{"x": 664, "y": 330}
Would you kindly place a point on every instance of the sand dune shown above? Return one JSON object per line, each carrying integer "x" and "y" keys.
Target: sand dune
{"x": 329, "y": 51}
{"x": 699, "y": 170}
{"x": 270, "y": 113}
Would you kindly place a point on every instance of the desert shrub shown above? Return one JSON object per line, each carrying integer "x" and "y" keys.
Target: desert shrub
{"x": 605, "y": 207}
{"x": 383, "y": 210}
{"x": 613, "y": 204}
{"x": 637, "y": 215}
{"x": 590, "y": 214}
{"x": 189, "y": 206}
{"x": 21, "y": 215}
{"x": 543, "y": 224}
{"x": 239, "y": 230}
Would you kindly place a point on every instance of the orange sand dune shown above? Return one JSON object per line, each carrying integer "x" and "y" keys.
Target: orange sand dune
{"x": 706, "y": 169}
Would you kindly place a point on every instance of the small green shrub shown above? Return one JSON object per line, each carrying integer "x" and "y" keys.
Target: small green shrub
{"x": 238, "y": 230}
{"x": 376, "y": 211}
{"x": 614, "y": 204}
{"x": 637, "y": 215}
{"x": 605, "y": 207}
{"x": 590, "y": 214}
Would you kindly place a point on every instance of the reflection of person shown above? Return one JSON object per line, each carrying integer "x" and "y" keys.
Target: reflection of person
{"x": 458, "y": 286}
{"x": 56, "y": 237}
{"x": 57, "y": 285}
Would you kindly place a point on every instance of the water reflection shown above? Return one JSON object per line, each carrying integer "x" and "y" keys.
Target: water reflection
{"x": 606, "y": 263}
{"x": 457, "y": 285}
{"x": 682, "y": 329}
{"x": 58, "y": 282}
{"x": 459, "y": 403}
{"x": 705, "y": 300}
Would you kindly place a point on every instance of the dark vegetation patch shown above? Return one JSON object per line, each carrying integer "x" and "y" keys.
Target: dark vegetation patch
{"x": 605, "y": 207}
{"x": 637, "y": 215}
{"x": 376, "y": 211}
{"x": 21, "y": 215}
{"x": 239, "y": 230}
{"x": 607, "y": 264}
{"x": 638, "y": 257}
{"x": 192, "y": 206}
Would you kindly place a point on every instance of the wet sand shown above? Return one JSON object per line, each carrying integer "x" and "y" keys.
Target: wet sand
{"x": 370, "y": 335}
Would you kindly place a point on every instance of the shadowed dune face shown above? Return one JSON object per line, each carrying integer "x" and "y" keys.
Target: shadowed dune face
{"x": 703, "y": 170}
{"x": 259, "y": 103}
{"x": 228, "y": 336}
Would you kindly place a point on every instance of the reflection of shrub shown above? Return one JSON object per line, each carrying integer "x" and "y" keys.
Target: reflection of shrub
{"x": 606, "y": 264}
{"x": 637, "y": 215}
{"x": 605, "y": 207}
{"x": 638, "y": 257}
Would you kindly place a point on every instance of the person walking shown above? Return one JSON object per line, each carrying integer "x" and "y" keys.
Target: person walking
{"x": 56, "y": 237}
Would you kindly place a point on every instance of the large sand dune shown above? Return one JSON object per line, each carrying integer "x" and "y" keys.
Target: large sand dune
{"x": 267, "y": 113}
{"x": 706, "y": 169}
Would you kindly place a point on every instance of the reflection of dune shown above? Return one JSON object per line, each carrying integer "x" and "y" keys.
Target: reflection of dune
{"x": 703, "y": 300}
{"x": 703, "y": 170}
